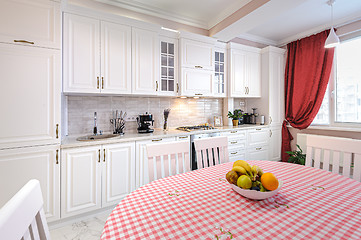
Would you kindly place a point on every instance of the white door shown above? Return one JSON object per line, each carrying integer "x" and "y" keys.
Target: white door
{"x": 238, "y": 73}
{"x": 29, "y": 96}
{"x": 276, "y": 89}
{"x": 253, "y": 74}
{"x": 33, "y": 23}
{"x": 80, "y": 180}
{"x": 118, "y": 172}
{"x": 116, "y": 58}
{"x": 145, "y": 61}
{"x": 142, "y": 176}
{"x": 18, "y": 166}
{"x": 81, "y": 53}
{"x": 196, "y": 82}
{"x": 275, "y": 143}
{"x": 197, "y": 54}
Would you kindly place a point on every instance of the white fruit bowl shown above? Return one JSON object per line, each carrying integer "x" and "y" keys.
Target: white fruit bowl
{"x": 256, "y": 195}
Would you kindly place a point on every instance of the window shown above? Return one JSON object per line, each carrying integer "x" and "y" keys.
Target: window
{"x": 342, "y": 102}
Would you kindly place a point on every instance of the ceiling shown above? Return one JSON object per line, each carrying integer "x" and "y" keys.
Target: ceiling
{"x": 276, "y": 22}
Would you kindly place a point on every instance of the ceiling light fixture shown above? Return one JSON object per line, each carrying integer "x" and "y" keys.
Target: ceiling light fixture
{"x": 169, "y": 29}
{"x": 332, "y": 39}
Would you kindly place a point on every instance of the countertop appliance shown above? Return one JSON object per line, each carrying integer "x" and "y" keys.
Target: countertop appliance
{"x": 145, "y": 121}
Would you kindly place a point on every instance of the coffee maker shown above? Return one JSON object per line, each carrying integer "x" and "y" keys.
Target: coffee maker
{"x": 144, "y": 123}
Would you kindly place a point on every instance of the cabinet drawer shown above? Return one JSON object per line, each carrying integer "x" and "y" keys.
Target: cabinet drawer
{"x": 257, "y": 137}
{"x": 235, "y": 143}
{"x": 184, "y": 138}
{"x": 257, "y": 153}
{"x": 30, "y": 23}
{"x": 239, "y": 134}
{"x": 237, "y": 155}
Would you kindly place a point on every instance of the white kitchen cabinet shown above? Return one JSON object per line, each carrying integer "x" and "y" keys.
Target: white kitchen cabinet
{"x": 196, "y": 82}
{"x": 257, "y": 153}
{"x": 29, "y": 96}
{"x": 275, "y": 144}
{"x": 142, "y": 176}
{"x": 97, "y": 56}
{"x": 145, "y": 62}
{"x": 18, "y": 166}
{"x": 118, "y": 172}
{"x": 197, "y": 54}
{"x": 258, "y": 143}
{"x": 220, "y": 70}
{"x": 197, "y": 65}
{"x": 236, "y": 144}
{"x": 168, "y": 82}
{"x": 96, "y": 177}
{"x": 115, "y": 58}
{"x": 244, "y": 71}
{"x": 80, "y": 180}
{"x": 33, "y": 23}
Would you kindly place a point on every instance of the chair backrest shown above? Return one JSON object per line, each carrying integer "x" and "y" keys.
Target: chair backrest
{"x": 166, "y": 159}
{"x": 22, "y": 217}
{"x": 339, "y": 155}
{"x": 211, "y": 151}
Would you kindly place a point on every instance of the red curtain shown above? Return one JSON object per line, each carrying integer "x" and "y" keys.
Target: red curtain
{"x": 308, "y": 70}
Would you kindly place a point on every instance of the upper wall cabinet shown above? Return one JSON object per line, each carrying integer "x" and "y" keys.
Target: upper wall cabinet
{"x": 197, "y": 66}
{"x": 29, "y": 98}
{"x": 33, "y": 23}
{"x": 168, "y": 82}
{"x": 145, "y": 62}
{"x": 244, "y": 71}
{"x": 97, "y": 56}
{"x": 220, "y": 73}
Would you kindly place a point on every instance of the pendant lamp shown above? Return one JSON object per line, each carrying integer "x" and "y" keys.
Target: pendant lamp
{"x": 332, "y": 39}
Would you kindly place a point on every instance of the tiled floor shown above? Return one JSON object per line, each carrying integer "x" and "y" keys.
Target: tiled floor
{"x": 84, "y": 230}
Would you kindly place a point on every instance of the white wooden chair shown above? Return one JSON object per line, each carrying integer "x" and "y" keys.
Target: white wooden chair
{"x": 22, "y": 217}
{"x": 211, "y": 151}
{"x": 166, "y": 159}
{"x": 339, "y": 155}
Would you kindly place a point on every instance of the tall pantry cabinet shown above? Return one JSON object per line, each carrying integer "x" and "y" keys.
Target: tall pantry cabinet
{"x": 30, "y": 66}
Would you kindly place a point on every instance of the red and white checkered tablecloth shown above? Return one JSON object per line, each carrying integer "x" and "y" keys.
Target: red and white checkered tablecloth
{"x": 312, "y": 204}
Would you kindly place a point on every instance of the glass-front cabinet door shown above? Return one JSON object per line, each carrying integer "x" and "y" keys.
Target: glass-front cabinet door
{"x": 168, "y": 83}
{"x": 219, "y": 72}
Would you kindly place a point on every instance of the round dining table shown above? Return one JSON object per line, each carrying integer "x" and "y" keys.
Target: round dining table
{"x": 311, "y": 204}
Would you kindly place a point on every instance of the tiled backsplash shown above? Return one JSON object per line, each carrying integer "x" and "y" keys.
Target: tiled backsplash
{"x": 183, "y": 111}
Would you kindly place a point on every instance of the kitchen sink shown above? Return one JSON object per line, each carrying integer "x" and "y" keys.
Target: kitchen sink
{"x": 97, "y": 137}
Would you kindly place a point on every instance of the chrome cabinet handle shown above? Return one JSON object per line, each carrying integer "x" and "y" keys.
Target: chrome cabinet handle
{"x": 233, "y": 131}
{"x": 259, "y": 148}
{"x": 234, "y": 153}
{"x": 183, "y": 137}
{"x": 198, "y": 66}
{"x": 23, "y": 41}
{"x": 198, "y": 94}
{"x": 233, "y": 142}
{"x": 258, "y": 129}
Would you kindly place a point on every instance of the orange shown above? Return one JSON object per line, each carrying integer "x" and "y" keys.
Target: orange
{"x": 269, "y": 181}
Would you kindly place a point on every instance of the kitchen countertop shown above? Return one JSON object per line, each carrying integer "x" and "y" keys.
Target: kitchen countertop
{"x": 71, "y": 142}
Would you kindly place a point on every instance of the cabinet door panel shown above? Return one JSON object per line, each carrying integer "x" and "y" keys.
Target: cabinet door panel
{"x": 145, "y": 61}
{"x": 18, "y": 166}
{"x": 196, "y": 82}
{"x": 259, "y": 153}
{"x": 238, "y": 73}
{"x": 254, "y": 74}
{"x": 118, "y": 172}
{"x": 116, "y": 58}
{"x": 81, "y": 180}
{"x": 197, "y": 54}
{"x": 81, "y": 54}
{"x": 32, "y": 21}
{"x": 258, "y": 137}
{"x": 276, "y": 88}
{"x": 30, "y": 98}
{"x": 275, "y": 143}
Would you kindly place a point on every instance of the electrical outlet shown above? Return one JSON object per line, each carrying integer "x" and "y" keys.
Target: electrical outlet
{"x": 241, "y": 104}
{"x": 131, "y": 118}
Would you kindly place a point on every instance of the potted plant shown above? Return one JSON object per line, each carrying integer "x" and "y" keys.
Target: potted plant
{"x": 297, "y": 156}
{"x": 235, "y": 116}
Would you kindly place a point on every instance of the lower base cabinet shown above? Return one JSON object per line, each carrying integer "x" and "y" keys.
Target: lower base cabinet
{"x": 96, "y": 177}
{"x": 18, "y": 166}
{"x": 275, "y": 143}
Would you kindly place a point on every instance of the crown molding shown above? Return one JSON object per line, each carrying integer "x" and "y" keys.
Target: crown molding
{"x": 155, "y": 12}
{"x": 258, "y": 39}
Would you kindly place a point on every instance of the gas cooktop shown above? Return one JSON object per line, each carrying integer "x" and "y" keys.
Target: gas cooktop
{"x": 194, "y": 128}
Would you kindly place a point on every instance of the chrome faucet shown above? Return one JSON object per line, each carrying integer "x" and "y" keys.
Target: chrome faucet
{"x": 95, "y": 130}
